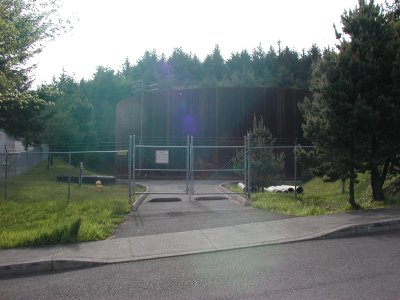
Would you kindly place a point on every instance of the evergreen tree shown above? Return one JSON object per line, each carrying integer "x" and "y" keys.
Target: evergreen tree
{"x": 266, "y": 166}
{"x": 355, "y": 114}
{"x": 184, "y": 69}
{"x": 375, "y": 46}
{"x": 239, "y": 72}
{"x": 214, "y": 67}
{"x": 259, "y": 62}
{"x": 71, "y": 119}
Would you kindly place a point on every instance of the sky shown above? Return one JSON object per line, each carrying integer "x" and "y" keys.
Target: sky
{"x": 106, "y": 32}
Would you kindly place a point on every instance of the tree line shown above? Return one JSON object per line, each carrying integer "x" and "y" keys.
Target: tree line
{"x": 94, "y": 100}
{"x": 280, "y": 67}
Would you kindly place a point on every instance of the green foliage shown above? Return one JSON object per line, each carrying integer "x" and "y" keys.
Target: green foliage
{"x": 353, "y": 118}
{"x": 392, "y": 191}
{"x": 214, "y": 65}
{"x": 239, "y": 70}
{"x": 63, "y": 232}
{"x": 267, "y": 166}
{"x": 182, "y": 69}
{"x": 38, "y": 213}
{"x": 319, "y": 198}
{"x": 22, "y": 115}
{"x": 24, "y": 26}
{"x": 71, "y": 120}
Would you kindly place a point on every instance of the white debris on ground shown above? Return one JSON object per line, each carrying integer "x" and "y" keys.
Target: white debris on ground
{"x": 284, "y": 189}
{"x": 241, "y": 185}
{"x": 278, "y": 188}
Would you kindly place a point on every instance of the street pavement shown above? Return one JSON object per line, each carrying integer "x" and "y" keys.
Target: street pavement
{"x": 361, "y": 267}
{"x": 143, "y": 236}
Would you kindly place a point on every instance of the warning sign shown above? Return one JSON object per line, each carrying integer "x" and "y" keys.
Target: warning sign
{"x": 162, "y": 157}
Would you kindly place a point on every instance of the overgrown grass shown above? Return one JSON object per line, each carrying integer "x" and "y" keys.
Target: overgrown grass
{"x": 39, "y": 213}
{"x": 319, "y": 198}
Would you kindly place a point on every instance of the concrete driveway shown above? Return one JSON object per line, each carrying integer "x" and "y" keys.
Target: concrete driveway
{"x": 170, "y": 210}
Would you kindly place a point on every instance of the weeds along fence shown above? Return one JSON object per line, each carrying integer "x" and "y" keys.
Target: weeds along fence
{"x": 61, "y": 175}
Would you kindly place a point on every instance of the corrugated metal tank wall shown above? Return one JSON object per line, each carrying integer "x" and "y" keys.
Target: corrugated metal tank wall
{"x": 210, "y": 112}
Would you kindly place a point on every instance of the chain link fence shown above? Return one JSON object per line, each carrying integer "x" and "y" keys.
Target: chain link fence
{"x": 172, "y": 166}
{"x": 72, "y": 175}
{"x": 276, "y": 168}
{"x": 157, "y": 163}
{"x": 215, "y": 162}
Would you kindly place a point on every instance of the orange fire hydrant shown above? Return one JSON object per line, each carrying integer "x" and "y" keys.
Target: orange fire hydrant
{"x": 98, "y": 186}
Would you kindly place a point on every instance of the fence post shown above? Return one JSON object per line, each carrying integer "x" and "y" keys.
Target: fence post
{"x": 133, "y": 163}
{"x": 248, "y": 166}
{"x": 130, "y": 169}
{"x": 187, "y": 164}
{"x": 295, "y": 169}
{"x": 25, "y": 167}
{"x": 5, "y": 174}
{"x": 69, "y": 176}
{"x": 245, "y": 163}
{"x": 191, "y": 191}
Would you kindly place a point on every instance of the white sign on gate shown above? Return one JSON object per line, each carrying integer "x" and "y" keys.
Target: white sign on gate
{"x": 162, "y": 156}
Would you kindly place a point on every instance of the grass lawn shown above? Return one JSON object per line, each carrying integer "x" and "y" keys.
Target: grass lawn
{"x": 37, "y": 211}
{"x": 319, "y": 198}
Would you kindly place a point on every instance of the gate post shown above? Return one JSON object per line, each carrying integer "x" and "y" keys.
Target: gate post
{"x": 6, "y": 175}
{"x": 245, "y": 163}
{"x": 130, "y": 168}
{"x": 69, "y": 175}
{"x": 133, "y": 162}
{"x": 295, "y": 168}
{"x": 248, "y": 186}
{"x": 191, "y": 188}
{"x": 187, "y": 164}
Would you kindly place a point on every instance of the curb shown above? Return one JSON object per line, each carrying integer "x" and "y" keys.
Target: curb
{"x": 65, "y": 265}
{"x": 239, "y": 198}
{"x": 139, "y": 200}
{"x": 46, "y": 266}
{"x": 351, "y": 230}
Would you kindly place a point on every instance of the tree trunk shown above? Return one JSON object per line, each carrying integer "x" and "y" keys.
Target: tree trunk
{"x": 377, "y": 184}
{"x": 351, "y": 191}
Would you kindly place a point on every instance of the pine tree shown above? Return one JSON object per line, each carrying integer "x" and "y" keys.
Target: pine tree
{"x": 354, "y": 117}
{"x": 267, "y": 166}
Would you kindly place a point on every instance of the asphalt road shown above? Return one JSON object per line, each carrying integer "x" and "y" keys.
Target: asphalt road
{"x": 362, "y": 267}
{"x": 209, "y": 210}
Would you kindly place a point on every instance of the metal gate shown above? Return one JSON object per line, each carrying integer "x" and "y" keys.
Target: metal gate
{"x": 214, "y": 164}
{"x": 191, "y": 166}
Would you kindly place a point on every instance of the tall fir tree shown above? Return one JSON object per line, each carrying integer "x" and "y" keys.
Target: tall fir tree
{"x": 354, "y": 117}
